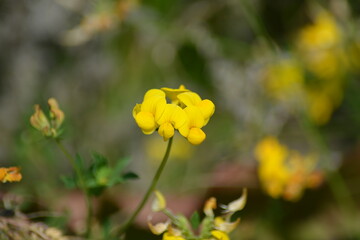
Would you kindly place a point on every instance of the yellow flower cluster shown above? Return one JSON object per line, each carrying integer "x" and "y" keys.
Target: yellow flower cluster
{"x": 187, "y": 113}
{"x": 283, "y": 172}
{"x": 11, "y": 174}
{"x": 314, "y": 76}
{"x": 212, "y": 227}
{"x": 48, "y": 127}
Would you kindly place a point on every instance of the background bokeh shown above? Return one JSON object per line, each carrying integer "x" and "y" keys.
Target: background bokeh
{"x": 287, "y": 69}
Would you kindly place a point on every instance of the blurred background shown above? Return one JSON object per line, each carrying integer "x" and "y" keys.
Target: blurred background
{"x": 283, "y": 71}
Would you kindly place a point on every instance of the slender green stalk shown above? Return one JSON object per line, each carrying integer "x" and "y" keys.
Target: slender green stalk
{"x": 83, "y": 187}
{"x": 256, "y": 23}
{"x": 149, "y": 191}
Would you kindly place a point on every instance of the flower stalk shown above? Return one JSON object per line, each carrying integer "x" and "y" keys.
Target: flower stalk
{"x": 150, "y": 190}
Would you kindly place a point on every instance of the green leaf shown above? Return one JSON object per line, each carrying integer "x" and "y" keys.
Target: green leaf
{"x": 121, "y": 164}
{"x": 195, "y": 220}
{"x": 69, "y": 182}
{"x": 80, "y": 163}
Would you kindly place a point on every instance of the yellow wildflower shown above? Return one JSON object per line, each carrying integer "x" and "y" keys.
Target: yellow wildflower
{"x": 11, "y": 174}
{"x": 187, "y": 113}
{"x": 284, "y": 172}
{"x": 206, "y": 107}
{"x": 152, "y": 108}
{"x": 284, "y": 79}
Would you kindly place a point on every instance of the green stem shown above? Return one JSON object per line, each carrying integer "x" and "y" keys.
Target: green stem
{"x": 256, "y": 23}
{"x": 149, "y": 191}
{"x": 83, "y": 187}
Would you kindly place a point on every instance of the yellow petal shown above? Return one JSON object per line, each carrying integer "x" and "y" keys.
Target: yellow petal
{"x": 219, "y": 235}
{"x": 225, "y": 226}
{"x": 168, "y": 236}
{"x": 174, "y": 115}
{"x": 238, "y": 204}
{"x": 155, "y": 105}
{"x": 136, "y": 110}
{"x": 56, "y": 113}
{"x": 146, "y": 122}
{"x": 3, "y": 172}
{"x": 196, "y": 119}
{"x": 207, "y": 108}
{"x": 154, "y": 92}
{"x": 172, "y": 93}
{"x": 196, "y": 136}
{"x": 158, "y": 228}
{"x": 179, "y": 118}
{"x": 39, "y": 121}
{"x": 159, "y": 202}
{"x": 189, "y": 98}
{"x": 210, "y": 205}
{"x": 12, "y": 174}
{"x": 166, "y": 130}
{"x": 167, "y": 113}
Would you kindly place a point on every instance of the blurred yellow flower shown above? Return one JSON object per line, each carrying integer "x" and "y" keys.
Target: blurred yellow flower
{"x": 188, "y": 113}
{"x": 11, "y": 174}
{"x": 49, "y": 127}
{"x": 283, "y": 172}
{"x": 284, "y": 79}
{"x": 324, "y": 33}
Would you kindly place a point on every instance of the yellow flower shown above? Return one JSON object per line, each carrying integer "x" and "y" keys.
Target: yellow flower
{"x": 220, "y": 235}
{"x": 206, "y": 107}
{"x": 323, "y": 33}
{"x": 192, "y": 130}
{"x": 284, "y": 79}
{"x": 283, "y": 172}
{"x": 152, "y": 108}
{"x": 187, "y": 113}
{"x": 49, "y": 128}
{"x": 11, "y": 174}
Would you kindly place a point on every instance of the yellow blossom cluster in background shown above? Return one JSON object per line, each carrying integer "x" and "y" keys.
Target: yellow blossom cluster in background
{"x": 11, "y": 174}
{"x": 284, "y": 172}
{"x": 313, "y": 75}
{"x": 186, "y": 112}
{"x": 211, "y": 227}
